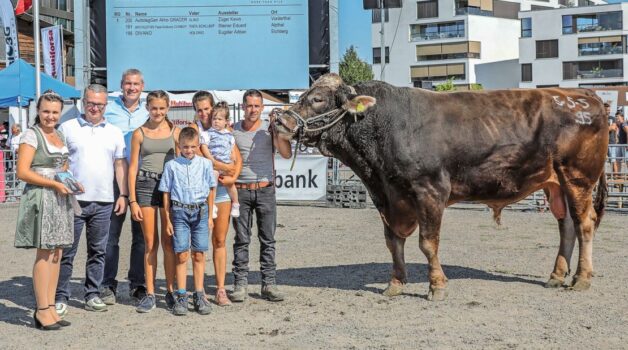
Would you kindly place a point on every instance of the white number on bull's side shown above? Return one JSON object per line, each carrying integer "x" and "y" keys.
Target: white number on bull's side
{"x": 583, "y": 102}
{"x": 583, "y": 118}
{"x": 558, "y": 101}
{"x": 571, "y": 104}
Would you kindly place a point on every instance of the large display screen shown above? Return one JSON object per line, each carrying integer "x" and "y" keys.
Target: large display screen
{"x": 209, "y": 44}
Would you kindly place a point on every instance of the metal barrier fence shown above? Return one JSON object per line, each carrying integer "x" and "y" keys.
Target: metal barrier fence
{"x": 10, "y": 187}
{"x": 341, "y": 175}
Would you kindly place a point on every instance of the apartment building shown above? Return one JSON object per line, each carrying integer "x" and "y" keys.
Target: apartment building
{"x": 52, "y": 12}
{"x": 469, "y": 41}
{"x": 574, "y": 47}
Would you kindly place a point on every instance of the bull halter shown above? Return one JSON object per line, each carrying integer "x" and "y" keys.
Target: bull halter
{"x": 329, "y": 119}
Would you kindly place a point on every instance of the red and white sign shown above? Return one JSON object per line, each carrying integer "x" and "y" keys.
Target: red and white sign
{"x": 52, "y": 44}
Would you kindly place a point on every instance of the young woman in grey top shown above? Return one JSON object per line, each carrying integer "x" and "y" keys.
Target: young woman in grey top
{"x": 154, "y": 143}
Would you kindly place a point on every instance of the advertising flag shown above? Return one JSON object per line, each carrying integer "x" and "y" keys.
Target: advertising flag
{"x": 7, "y": 19}
{"x": 52, "y": 48}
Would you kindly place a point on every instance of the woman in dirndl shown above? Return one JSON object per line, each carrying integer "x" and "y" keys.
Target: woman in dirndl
{"x": 46, "y": 214}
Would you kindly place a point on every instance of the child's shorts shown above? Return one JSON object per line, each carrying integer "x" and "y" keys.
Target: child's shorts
{"x": 190, "y": 225}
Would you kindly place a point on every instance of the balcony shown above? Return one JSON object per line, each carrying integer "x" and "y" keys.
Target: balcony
{"x": 437, "y": 36}
{"x": 599, "y": 73}
{"x": 591, "y": 51}
{"x": 473, "y": 11}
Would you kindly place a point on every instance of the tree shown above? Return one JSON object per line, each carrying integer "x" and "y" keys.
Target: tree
{"x": 352, "y": 69}
{"x": 446, "y": 86}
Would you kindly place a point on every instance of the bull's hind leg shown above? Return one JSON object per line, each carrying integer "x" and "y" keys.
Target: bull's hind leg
{"x": 580, "y": 203}
{"x": 399, "y": 275}
{"x": 567, "y": 236}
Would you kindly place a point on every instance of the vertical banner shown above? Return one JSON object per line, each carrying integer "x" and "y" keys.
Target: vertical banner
{"x": 52, "y": 45}
{"x": 10, "y": 30}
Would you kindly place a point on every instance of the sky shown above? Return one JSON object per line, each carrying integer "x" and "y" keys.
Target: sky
{"x": 354, "y": 27}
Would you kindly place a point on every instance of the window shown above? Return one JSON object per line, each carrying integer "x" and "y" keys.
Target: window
{"x": 447, "y": 51}
{"x": 546, "y": 48}
{"x": 608, "y": 45}
{"x": 547, "y": 86}
{"x": 376, "y": 16}
{"x": 474, "y": 7}
{"x": 593, "y": 69}
{"x": 526, "y": 72}
{"x": 377, "y": 55}
{"x": 427, "y": 9}
{"x": 593, "y": 22}
{"x": 420, "y": 74}
{"x": 526, "y": 27}
{"x": 435, "y": 31}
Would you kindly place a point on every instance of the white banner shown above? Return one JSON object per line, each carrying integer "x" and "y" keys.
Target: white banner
{"x": 53, "y": 47}
{"x": 306, "y": 182}
{"x": 10, "y": 30}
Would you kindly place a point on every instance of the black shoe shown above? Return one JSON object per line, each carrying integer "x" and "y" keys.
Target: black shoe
{"x": 170, "y": 301}
{"x": 39, "y": 325}
{"x": 62, "y": 323}
{"x": 138, "y": 292}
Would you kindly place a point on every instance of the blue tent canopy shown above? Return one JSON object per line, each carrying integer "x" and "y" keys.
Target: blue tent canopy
{"x": 17, "y": 83}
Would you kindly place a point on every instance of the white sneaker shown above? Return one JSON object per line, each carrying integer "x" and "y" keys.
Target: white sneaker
{"x": 215, "y": 212}
{"x": 62, "y": 309}
{"x": 235, "y": 210}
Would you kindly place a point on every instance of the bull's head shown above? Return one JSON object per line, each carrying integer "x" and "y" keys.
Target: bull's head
{"x": 328, "y": 101}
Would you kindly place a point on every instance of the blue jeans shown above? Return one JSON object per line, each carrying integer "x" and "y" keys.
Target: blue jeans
{"x": 263, "y": 203}
{"x": 136, "y": 263}
{"x": 95, "y": 216}
{"x": 190, "y": 225}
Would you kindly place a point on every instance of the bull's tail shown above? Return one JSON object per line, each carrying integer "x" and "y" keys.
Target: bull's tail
{"x": 600, "y": 199}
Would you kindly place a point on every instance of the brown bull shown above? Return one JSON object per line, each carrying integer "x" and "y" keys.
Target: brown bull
{"x": 418, "y": 152}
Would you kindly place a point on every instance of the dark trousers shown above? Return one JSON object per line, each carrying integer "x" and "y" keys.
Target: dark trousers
{"x": 136, "y": 263}
{"x": 95, "y": 218}
{"x": 262, "y": 203}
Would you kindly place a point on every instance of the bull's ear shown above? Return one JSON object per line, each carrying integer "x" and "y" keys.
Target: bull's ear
{"x": 359, "y": 104}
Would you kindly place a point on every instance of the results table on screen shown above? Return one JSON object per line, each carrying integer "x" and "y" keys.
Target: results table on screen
{"x": 231, "y": 44}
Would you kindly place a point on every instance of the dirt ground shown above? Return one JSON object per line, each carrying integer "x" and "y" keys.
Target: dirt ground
{"x": 333, "y": 264}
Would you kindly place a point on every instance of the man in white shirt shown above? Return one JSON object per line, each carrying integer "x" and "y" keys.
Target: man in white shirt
{"x": 96, "y": 153}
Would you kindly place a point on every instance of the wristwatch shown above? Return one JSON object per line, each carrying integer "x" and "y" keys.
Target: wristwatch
{"x": 124, "y": 196}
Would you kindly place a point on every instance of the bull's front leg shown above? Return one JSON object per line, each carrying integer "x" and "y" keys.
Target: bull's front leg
{"x": 429, "y": 227}
{"x": 399, "y": 275}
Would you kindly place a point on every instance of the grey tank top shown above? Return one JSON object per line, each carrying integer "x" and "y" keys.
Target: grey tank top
{"x": 156, "y": 152}
{"x": 257, "y": 153}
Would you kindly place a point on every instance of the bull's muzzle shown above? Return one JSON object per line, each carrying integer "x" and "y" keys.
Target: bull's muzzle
{"x": 285, "y": 124}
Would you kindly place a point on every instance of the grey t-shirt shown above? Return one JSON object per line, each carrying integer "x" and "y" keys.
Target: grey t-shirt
{"x": 256, "y": 151}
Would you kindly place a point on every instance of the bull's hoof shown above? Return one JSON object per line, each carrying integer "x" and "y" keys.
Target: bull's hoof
{"x": 580, "y": 284}
{"x": 437, "y": 294}
{"x": 554, "y": 283}
{"x": 393, "y": 290}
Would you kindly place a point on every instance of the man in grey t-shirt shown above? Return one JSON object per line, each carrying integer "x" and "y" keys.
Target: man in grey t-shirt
{"x": 256, "y": 193}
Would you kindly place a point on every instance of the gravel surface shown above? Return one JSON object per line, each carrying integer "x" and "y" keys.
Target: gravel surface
{"x": 333, "y": 264}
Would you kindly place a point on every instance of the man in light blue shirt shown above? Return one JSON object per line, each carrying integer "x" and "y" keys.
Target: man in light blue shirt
{"x": 127, "y": 112}
{"x": 188, "y": 184}
{"x": 96, "y": 153}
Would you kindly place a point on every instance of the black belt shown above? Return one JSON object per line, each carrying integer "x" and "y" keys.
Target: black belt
{"x": 188, "y": 206}
{"x": 149, "y": 174}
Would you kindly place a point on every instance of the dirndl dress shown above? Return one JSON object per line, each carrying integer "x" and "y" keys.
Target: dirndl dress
{"x": 45, "y": 217}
